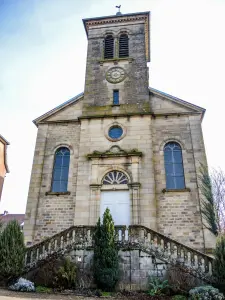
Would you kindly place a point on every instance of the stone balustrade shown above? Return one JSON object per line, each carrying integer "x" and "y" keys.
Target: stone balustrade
{"x": 132, "y": 237}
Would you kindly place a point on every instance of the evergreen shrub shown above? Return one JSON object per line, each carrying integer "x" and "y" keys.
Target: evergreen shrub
{"x": 219, "y": 261}
{"x": 106, "y": 264}
{"x": 12, "y": 252}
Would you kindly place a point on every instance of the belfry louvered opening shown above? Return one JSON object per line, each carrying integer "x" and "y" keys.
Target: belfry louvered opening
{"x": 123, "y": 46}
{"x": 109, "y": 47}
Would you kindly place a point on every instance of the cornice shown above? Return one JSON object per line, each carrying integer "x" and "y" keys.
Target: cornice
{"x": 115, "y": 151}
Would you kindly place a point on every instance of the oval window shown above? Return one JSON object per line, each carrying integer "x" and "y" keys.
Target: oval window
{"x": 115, "y": 132}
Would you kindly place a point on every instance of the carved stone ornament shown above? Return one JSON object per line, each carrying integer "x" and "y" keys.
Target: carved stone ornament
{"x": 113, "y": 152}
{"x": 115, "y": 75}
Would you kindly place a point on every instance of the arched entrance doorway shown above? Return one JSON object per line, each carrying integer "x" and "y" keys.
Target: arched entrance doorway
{"x": 115, "y": 195}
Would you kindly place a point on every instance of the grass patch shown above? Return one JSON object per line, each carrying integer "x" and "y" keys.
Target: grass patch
{"x": 43, "y": 289}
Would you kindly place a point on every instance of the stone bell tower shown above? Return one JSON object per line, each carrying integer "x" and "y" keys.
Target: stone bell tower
{"x": 116, "y": 71}
{"x": 115, "y": 109}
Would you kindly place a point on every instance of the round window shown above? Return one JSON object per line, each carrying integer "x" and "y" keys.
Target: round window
{"x": 115, "y": 132}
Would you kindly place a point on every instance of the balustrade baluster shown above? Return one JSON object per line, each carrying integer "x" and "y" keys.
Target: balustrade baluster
{"x": 131, "y": 235}
{"x": 182, "y": 255}
{"x": 126, "y": 231}
{"x": 67, "y": 239}
{"x": 61, "y": 242}
{"x": 120, "y": 235}
{"x": 37, "y": 253}
{"x": 189, "y": 258}
{"x": 164, "y": 247}
{"x": 192, "y": 259}
{"x": 178, "y": 252}
{"x": 27, "y": 257}
{"x": 116, "y": 234}
{"x": 175, "y": 251}
{"x": 168, "y": 251}
{"x": 31, "y": 256}
{"x": 73, "y": 235}
{"x": 196, "y": 260}
{"x": 206, "y": 265}
{"x": 89, "y": 237}
{"x": 158, "y": 240}
{"x": 48, "y": 249}
{"x": 123, "y": 234}
{"x": 149, "y": 238}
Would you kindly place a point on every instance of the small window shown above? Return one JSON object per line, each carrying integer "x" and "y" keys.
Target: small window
{"x": 109, "y": 47}
{"x": 61, "y": 170}
{"x": 174, "y": 166}
{"x": 123, "y": 45}
{"x": 116, "y": 97}
{"x": 115, "y": 132}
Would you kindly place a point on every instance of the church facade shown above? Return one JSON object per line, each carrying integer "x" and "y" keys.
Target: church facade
{"x": 120, "y": 144}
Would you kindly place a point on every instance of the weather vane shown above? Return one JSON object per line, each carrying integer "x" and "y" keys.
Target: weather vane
{"x": 118, "y": 6}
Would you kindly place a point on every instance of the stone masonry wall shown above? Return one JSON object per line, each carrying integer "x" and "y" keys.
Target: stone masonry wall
{"x": 135, "y": 269}
{"x": 135, "y": 86}
{"x": 47, "y": 214}
{"x": 178, "y": 211}
{"x": 93, "y": 137}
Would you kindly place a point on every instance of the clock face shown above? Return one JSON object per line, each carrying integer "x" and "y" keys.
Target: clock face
{"x": 115, "y": 75}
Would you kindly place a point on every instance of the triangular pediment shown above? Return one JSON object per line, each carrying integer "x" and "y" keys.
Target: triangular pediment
{"x": 162, "y": 103}
{"x": 67, "y": 111}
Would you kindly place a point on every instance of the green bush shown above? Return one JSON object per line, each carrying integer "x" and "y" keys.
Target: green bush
{"x": 12, "y": 252}
{"x": 179, "y": 297}
{"x": 66, "y": 275}
{"x": 106, "y": 265}
{"x": 206, "y": 292}
{"x": 219, "y": 261}
{"x": 157, "y": 286}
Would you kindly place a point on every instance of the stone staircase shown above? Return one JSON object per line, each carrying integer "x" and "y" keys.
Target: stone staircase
{"x": 136, "y": 237}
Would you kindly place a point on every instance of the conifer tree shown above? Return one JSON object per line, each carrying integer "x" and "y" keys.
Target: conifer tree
{"x": 219, "y": 261}
{"x": 106, "y": 265}
{"x": 12, "y": 251}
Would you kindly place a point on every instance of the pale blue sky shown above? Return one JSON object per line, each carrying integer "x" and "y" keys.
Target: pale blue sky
{"x": 42, "y": 62}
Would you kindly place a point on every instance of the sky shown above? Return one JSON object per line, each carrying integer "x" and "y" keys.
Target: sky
{"x": 42, "y": 64}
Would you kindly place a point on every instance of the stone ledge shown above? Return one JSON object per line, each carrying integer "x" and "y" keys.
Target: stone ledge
{"x": 115, "y": 60}
{"x": 176, "y": 190}
{"x": 57, "y": 193}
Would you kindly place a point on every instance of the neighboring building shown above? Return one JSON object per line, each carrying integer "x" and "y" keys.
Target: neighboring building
{"x": 120, "y": 144}
{"x": 5, "y": 218}
{"x": 3, "y": 161}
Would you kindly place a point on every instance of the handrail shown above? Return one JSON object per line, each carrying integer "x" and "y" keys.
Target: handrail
{"x": 140, "y": 237}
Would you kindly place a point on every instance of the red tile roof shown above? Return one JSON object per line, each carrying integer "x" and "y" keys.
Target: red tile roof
{"x": 9, "y": 217}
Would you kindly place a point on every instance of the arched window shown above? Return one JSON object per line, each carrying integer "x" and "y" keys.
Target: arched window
{"x": 123, "y": 46}
{"x": 115, "y": 177}
{"x": 109, "y": 47}
{"x": 61, "y": 170}
{"x": 174, "y": 166}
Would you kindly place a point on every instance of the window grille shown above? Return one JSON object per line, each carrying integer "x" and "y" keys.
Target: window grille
{"x": 123, "y": 45}
{"x": 109, "y": 47}
{"x": 61, "y": 170}
{"x": 115, "y": 177}
{"x": 174, "y": 166}
{"x": 116, "y": 97}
